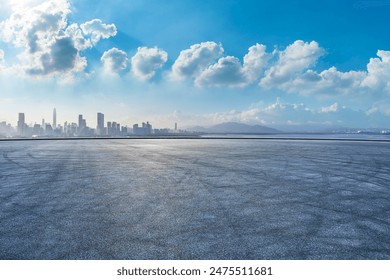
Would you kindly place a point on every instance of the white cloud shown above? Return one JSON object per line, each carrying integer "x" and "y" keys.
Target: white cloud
{"x": 226, "y": 72}
{"x": 146, "y": 61}
{"x": 47, "y": 45}
{"x": 98, "y": 30}
{"x": 24, "y": 3}
{"x": 332, "y": 108}
{"x": 80, "y": 42}
{"x": 62, "y": 57}
{"x": 296, "y": 58}
{"x": 328, "y": 82}
{"x": 378, "y": 72}
{"x": 194, "y": 60}
{"x": 38, "y": 31}
{"x": 255, "y": 61}
{"x": 376, "y": 79}
{"x": 34, "y": 28}
{"x": 114, "y": 60}
{"x": 229, "y": 72}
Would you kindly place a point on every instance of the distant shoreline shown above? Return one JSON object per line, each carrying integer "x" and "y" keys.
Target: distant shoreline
{"x": 199, "y": 137}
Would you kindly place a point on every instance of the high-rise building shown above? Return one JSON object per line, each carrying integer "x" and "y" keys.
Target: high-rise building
{"x": 21, "y": 124}
{"x": 54, "y": 118}
{"x": 80, "y": 120}
{"x": 100, "y": 124}
{"x": 82, "y": 126}
{"x": 109, "y": 128}
{"x": 114, "y": 126}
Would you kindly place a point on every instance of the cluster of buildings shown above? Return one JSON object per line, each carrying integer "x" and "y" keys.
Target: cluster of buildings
{"x": 80, "y": 129}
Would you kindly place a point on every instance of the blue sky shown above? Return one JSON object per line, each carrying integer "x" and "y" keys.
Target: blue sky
{"x": 276, "y": 63}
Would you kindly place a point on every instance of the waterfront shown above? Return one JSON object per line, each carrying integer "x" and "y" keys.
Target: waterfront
{"x": 194, "y": 199}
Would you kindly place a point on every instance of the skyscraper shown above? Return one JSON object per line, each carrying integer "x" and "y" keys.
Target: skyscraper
{"x": 54, "y": 118}
{"x": 82, "y": 126}
{"x": 80, "y": 120}
{"x": 21, "y": 124}
{"x": 100, "y": 124}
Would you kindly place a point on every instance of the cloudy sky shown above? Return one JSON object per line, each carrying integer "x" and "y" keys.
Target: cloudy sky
{"x": 276, "y": 63}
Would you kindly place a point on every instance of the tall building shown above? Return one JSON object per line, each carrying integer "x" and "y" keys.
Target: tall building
{"x": 113, "y": 128}
{"x": 54, "y": 118}
{"x": 82, "y": 126}
{"x": 109, "y": 128}
{"x": 80, "y": 120}
{"x": 100, "y": 124}
{"x": 21, "y": 124}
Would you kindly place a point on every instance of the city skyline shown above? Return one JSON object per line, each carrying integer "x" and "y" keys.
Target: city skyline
{"x": 274, "y": 63}
{"x": 80, "y": 128}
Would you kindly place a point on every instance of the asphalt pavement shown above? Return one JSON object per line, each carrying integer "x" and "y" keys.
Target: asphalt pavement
{"x": 194, "y": 199}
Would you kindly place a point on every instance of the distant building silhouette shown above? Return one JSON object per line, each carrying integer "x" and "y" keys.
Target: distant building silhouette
{"x": 79, "y": 129}
{"x": 37, "y": 130}
{"x": 114, "y": 129}
{"x": 49, "y": 130}
{"x": 21, "y": 125}
{"x": 82, "y": 126}
{"x": 146, "y": 129}
{"x": 54, "y": 118}
{"x": 100, "y": 124}
{"x": 5, "y": 129}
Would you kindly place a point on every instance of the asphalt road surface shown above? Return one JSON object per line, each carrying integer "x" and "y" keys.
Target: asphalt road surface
{"x": 194, "y": 199}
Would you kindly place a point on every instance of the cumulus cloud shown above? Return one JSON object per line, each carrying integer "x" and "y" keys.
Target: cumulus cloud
{"x": 255, "y": 61}
{"x": 291, "y": 74}
{"x": 228, "y": 71}
{"x": 378, "y": 71}
{"x": 98, "y": 30}
{"x": 114, "y": 60}
{"x": 80, "y": 42}
{"x": 146, "y": 61}
{"x": 33, "y": 28}
{"x": 291, "y": 70}
{"x": 48, "y": 44}
{"x": 62, "y": 57}
{"x": 291, "y": 62}
{"x": 195, "y": 59}
{"x": 332, "y": 81}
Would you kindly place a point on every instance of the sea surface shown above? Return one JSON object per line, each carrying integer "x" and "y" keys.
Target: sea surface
{"x": 309, "y": 136}
{"x": 194, "y": 199}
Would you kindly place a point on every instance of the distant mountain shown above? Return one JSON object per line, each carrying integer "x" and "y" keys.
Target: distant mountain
{"x": 234, "y": 127}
